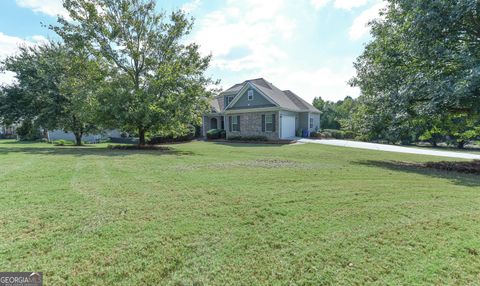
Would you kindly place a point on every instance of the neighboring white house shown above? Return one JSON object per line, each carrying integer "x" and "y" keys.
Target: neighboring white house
{"x": 89, "y": 138}
{"x": 7, "y": 130}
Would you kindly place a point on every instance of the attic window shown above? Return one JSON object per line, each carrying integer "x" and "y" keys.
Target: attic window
{"x": 250, "y": 95}
{"x": 228, "y": 99}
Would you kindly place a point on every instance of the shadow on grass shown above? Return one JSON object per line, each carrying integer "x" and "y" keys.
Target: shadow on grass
{"x": 15, "y": 142}
{"x": 90, "y": 151}
{"x": 458, "y": 178}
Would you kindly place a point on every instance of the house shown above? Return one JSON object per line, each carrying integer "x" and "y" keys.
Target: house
{"x": 89, "y": 138}
{"x": 7, "y": 130}
{"x": 258, "y": 108}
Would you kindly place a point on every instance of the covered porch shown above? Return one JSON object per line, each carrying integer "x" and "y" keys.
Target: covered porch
{"x": 212, "y": 121}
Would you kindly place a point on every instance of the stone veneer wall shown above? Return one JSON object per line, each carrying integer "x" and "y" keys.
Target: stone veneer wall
{"x": 206, "y": 124}
{"x": 251, "y": 125}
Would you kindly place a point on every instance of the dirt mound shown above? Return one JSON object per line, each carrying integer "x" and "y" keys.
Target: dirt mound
{"x": 470, "y": 167}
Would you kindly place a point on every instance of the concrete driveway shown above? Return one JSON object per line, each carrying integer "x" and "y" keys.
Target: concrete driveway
{"x": 391, "y": 148}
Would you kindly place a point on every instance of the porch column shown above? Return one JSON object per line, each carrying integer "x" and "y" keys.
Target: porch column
{"x": 204, "y": 127}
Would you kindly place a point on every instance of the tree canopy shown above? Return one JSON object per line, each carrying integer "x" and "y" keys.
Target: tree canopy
{"x": 156, "y": 80}
{"x": 120, "y": 64}
{"x": 56, "y": 88}
{"x": 423, "y": 62}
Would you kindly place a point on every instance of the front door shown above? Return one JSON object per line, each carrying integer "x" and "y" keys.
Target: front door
{"x": 213, "y": 123}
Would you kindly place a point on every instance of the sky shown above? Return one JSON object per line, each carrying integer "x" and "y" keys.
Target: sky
{"x": 307, "y": 46}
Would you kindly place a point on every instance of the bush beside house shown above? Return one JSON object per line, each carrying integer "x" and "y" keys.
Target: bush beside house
{"x": 216, "y": 134}
{"x": 248, "y": 138}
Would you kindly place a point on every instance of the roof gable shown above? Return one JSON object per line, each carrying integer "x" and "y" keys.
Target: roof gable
{"x": 283, "y": 99}
{"x": 258, "y": 99}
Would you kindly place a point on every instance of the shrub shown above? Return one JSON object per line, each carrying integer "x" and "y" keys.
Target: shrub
{"x": 314, "y": 134}
{"x": 8, "y": 136}
{"x": 60, "y": 142}
{"x": 188, "y": 136}
{"x": 248, "y": 138}
{"x": 349, "y": 135}
{"x": 216, "y": 134}
{"x": 321, "y": 135}
{"x": 333, "y": 133}
{"x": 298, "y": 132}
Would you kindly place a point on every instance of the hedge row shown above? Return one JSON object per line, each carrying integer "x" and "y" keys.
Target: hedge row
{"x": 333, "y": 133}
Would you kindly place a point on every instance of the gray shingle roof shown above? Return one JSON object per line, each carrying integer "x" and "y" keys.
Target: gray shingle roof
{"x": 234, "y": 89}
{"x": 217, "y": 104}
{"x": 299, "y": 101}
{"x": 285, "y": 99}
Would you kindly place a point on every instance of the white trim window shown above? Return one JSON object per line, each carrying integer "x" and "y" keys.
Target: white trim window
{"x": 250, "y": 95}
{"x": 235, "y": 123}
{"x": 228, "y": 99}
{"x": 269, "y": 123}
{"x": 311, "y": 122}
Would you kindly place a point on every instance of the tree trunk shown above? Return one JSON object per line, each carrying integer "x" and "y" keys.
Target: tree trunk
{"x": 461, "y": 144}
{"x": 141, "y": 136}
{"x": 78, "y": 139}
{"x": 434, "y": 143}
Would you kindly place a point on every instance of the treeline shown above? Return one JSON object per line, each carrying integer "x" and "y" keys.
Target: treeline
{"x": 419, "y": 76}
{"x": 119, "y": 64}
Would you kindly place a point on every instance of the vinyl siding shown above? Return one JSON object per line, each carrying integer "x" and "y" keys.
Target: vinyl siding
{"x": 258, "y": 101}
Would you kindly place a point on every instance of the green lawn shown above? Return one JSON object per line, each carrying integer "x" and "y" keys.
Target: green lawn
{"x": 217, "y": 214}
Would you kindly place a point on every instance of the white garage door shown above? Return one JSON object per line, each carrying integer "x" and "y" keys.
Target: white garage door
{"x": 288, "y": 127}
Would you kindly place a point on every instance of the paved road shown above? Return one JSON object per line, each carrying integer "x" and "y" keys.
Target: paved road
{"x": 391, "y": 148}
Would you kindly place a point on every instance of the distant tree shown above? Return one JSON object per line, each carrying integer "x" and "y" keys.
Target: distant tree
{"x": 56, "y": 88}
{"x": 334, "y": 113}
{"x": 318, "y": 102}
{"x": 157, "y": 81}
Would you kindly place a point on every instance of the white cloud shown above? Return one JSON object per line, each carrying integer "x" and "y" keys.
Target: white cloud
{"x": 259, "y": 44}
{"x": 328, "y": 82}
{"x": 319, "y": 3}
{"x": 349, "y": 4}
{"x": 9, "y": 46}
{"x": 360, "y": 26}
{"x": 7, "y": 78}
{"x": 259, "y": 32}
{"x": 339, "y": 4}
{"x": 48, "y": 7}
{"x": 39, "y": 39}
{"x": 191, "y": 6}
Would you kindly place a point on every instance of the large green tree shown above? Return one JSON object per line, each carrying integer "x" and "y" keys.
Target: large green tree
{"x": 423, "y": 62}
{"x": 56, "y": 87}
{"x": 157, "y": 81}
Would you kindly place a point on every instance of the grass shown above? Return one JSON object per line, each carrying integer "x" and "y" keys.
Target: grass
{"x": 219, "y": 213}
